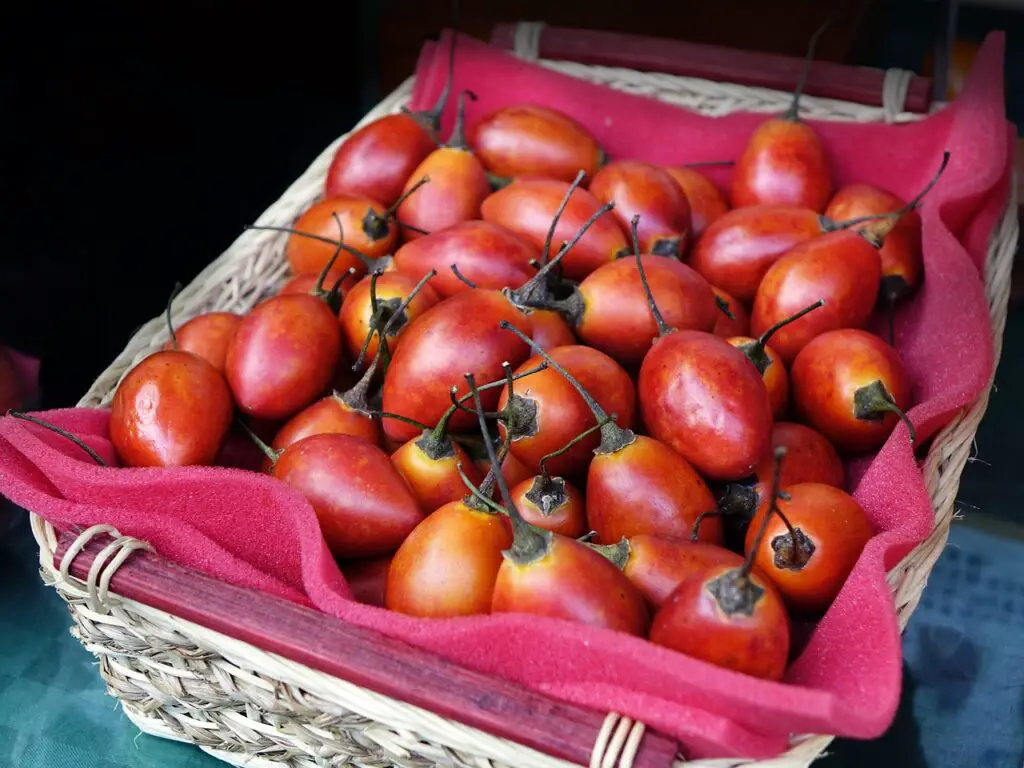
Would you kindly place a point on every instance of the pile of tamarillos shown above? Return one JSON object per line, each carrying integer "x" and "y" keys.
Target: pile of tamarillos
{"x": 511, "y": 374}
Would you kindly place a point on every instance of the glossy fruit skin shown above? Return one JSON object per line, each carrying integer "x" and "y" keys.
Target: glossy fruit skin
{"x": 173, "y": 409}
{"x": 458, "y": 185}
{"x": 356, "y": 313}
{"x": 652, "y": 193}
{"x": 568, "y": 518}
{"x": 530, "y": 140}
{"x": 707, "y": 202}
{"x": 647, "y": 488}
{"x": 486, "y": 254}
{"x": 367, "y": 579}
{"x": 737, "y": 249}
{"x": 827, "y": 373}
{"x": 810, "y": 457}
{"x": 283, "y": 355}
{"x": 691, "y": 622}
{"x": 842, "y": 268}
{"x": 656, "y": 565}
{"x": 306, "y": 255}
{"x": 376, "y": 160}
{"x": 364, "y": 507}
{"x": 306, "y": 282}
{"x": 838, "y": 528}
{"x": 528, "y": 206}
{"x": 328, "y": 415}
{"x": 725, "y": 327}
{"x": 208, "y": 335}
{"x": 550, "y": 330}
{"x": 900, "y": 254}
{"x": 571, "y": 582}
{"x": 775, "y": 378}
{"x": 701, "y": 396}
{"x": 616, "y": 317}
{"x": 448, "y": 565}
{"x": 435, "y": 482}
{"x": 784, "y": 163}
{"x": 458, "y": 336}
{"x": 562, "y": 414}
{"x": 371, "y": 240}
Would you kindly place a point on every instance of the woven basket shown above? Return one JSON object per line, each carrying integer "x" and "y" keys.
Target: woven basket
{"x": 182, "y": 681}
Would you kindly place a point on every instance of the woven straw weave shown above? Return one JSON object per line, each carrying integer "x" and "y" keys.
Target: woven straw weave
{"x": 181, "y": 681}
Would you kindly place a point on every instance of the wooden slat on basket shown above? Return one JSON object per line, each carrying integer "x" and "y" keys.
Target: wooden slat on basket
{"x": 362, "y": 656}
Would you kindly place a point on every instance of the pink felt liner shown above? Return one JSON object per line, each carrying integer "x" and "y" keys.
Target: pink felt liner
{"x": 249, "y": 530}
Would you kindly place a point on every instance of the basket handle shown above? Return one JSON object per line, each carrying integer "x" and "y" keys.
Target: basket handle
{"x": 896, "y": 90}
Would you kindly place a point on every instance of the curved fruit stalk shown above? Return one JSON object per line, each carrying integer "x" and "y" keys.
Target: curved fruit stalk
{"x": 62, "y": 432}
{"x": 341, "y": 283}
{"x": 512, "y": 469}
{"x": 651, "y": 193}
{"x": 317, "y": 240}
{"x": 736, "y": 250}
{"x": 529, "y": 206}
{"x": 707, "y": 202}
{"x": 729, "y": 616}
{"x": 531, "y": 140}
{"x": 551, "y": 503}
{"x": 551, "y": 575}
{"x": 810, "y": 545}
{"x": 636, "y": 484}
{"x": 458, "y": 185}
{"x": 784, "y": 162}
{"x": 851, "y": 386}
{"x": 733, "y": 318}
{"x": 700, "y": 396}
{"x": 487, "y": 255}
{"x": 901, "y": 254}
{"x": 656, "y": 565}
{"x": 375, "y": 300}
{"x": 376, "y": 160}
{"x": 363, "y": 505}
{"x": 609, "y": 309}
{"x": 767, "y": 362}
{"x": 547, "y": 413}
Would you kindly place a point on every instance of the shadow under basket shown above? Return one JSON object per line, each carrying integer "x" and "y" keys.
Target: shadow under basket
{"x": 228, "y": 674}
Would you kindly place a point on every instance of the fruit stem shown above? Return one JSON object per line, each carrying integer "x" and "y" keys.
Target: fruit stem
{"x": 167, "y": 311}
{"x": 763, "y": 339}
{"x": 873, "y": 401}
{"x": 400, "y": 417}
{"x": 695, "y": 531}
{"x": 534, "y": 290}
{"x": 706, "y": 163}
{"x": 369, "y": 263}
{"x": 724, "y": 306}
{"x": 455, "y": 271}
{"x": 617, "y": 554}
{"x": 570, "y": 445}
{"x": 476, "y": 492}
{"x": 390, "y": 212}
{"x": 458, "y": 137}
{"x": 528, "y": 542}
{"x": 267, "y": 451}
{"x": 433, "y": 116}
{"x": 613, "y": 437}
{"x": 318, "y": 287}
{"x": 62, "y": 432}
{"x": 884, "y": 223}
{"x": 545, "y": 255}
{"x": 663, "y": 328}
{"x": 793, "y": 113}
{"x": 773, "y": 506}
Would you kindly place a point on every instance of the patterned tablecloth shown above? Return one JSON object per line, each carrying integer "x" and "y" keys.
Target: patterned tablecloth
{"x": 962, "y": 705}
